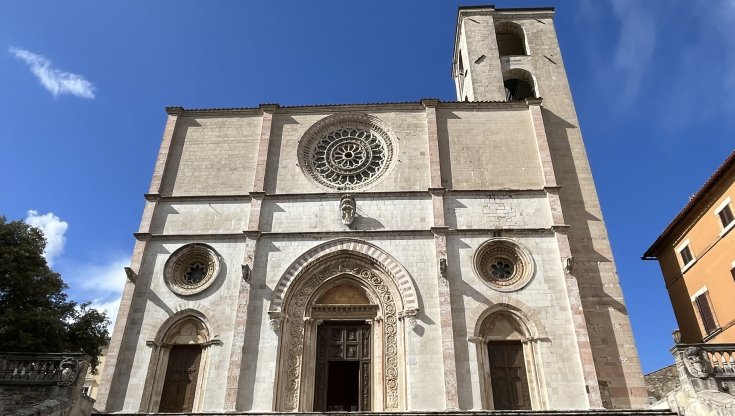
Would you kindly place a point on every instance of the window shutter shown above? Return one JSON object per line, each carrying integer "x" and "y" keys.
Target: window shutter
{"x": 705, "y": 311}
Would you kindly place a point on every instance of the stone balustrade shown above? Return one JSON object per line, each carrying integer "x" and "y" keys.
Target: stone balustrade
{"x": 42, "y": 369}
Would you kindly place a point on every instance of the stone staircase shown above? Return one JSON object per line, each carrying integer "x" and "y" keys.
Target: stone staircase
{"x": 605, "y": 412}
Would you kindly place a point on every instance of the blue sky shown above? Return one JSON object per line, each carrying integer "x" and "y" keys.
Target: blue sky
{"x": 83, "y": 85}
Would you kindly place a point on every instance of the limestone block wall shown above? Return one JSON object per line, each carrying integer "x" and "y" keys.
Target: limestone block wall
{"x": 545, "y": 298}
{"x": 154, "y": 304}
{"x": 488, "y": 149}
{"x": 195, "y": 217}
{"x": 212, "y": 155}
{"x": 492, "y": 183}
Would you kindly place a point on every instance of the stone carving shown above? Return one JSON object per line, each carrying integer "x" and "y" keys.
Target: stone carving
{"x": 347, "y": 208}
{"x": 347, "y": 151}
{"x": 275, "y": 320}
{"x": 410, "y": 315}
{"x": 503, "y": 264}
{"x": 191, "y": 269}
{"x": 69, "y": 371}
{"x": 296, "y": 311}
{"x": 695, "y": 362}
{"x": 569, "y": 264}
{"x": 131, "y": 275}
{"x": 246, "y": 273}
{"x": 443, "y": 267}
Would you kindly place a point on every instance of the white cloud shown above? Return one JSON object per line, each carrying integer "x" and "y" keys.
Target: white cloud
{"x": 101, "y": 283}
{"x": 53, "y": 229}
{"x": 53, "y": 79}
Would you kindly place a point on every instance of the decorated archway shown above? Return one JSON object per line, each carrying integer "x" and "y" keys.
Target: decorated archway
{"x": 343, "y": 283}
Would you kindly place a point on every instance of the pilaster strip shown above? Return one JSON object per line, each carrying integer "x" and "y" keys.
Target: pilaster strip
{"x": 168, "y": 134}
{"x": 447, "y": 329}
{"x": 433, "y": 138}
{"x": 253, "y": 234}
{"x": 241, "y": 316}
{"x": 118, "y": 333}
{"x": 265, "y": 136}
{"x": 575, "y": 301}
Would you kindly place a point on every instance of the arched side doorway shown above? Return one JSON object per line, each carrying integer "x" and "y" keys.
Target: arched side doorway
{"x": 341, "y": 313}
{"x": 176, "y": 372}
{"x": 510, "y": 371}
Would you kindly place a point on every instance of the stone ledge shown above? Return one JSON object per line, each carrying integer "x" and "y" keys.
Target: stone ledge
{"x": 605, "y": 412}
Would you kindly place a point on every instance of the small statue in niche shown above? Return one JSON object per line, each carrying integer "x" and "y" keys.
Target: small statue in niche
{"x": 347, "y": 208}
{"x": 246, "y": 272}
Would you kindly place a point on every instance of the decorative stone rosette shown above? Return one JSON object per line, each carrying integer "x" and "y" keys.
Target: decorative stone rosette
{"x": 191, "y": 269}
{"x": 503, "y": 265}
{"x": 347, "y": 151}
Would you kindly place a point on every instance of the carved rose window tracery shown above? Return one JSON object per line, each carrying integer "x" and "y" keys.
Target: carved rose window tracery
{"x": 191, "y": 269}
{"x": 346, "y": 152}
{"x": 503, "y": 265}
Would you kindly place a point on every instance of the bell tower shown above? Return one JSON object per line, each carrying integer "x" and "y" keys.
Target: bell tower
{"x": 513, "y": 55}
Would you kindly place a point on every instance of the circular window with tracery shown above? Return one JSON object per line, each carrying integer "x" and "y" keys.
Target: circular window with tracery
{"x": 347, "y": 151}
{"x": 503, "y": 264}
{"x": 191, "y": 269}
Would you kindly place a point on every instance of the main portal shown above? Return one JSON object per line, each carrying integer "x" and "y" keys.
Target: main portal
{"x": 342, "y": 373}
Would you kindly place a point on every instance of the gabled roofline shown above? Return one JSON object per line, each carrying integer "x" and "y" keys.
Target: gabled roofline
{"x": 713, "y": 180}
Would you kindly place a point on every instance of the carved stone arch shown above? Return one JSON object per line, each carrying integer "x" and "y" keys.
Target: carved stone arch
{"x": 332, "y": 263}
{"x": 519, "y": 318}
{"x": 177, "y": 330}
{"x": 527, "y": 317}
{"x": 523, "y": 76}
{"x": 341, "y": 246}
{"x": 515, "y": 29}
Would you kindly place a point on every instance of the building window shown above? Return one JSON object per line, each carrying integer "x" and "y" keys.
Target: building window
{"x": 706, "y": 315}
{"x": 686, "y": 255}
{"x": 85, "y": 390}
{"x": 725, "y": 214}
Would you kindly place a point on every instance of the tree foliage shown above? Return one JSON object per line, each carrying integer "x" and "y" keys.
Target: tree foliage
{"x": 35, "y": 313}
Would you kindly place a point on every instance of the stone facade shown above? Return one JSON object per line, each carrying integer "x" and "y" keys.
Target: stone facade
{"x": 454, "y": 177}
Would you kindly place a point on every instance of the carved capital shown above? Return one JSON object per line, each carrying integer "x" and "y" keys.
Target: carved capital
{"x": 410, "y": 316}
{"x": 276, "y": 318}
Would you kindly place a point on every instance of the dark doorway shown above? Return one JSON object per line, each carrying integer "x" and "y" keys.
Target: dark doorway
{"x": 508, "y": 376}
{"x": 342, "y": 376}
{"x": 343, "y": 386}
{"x": 180, "y": 382}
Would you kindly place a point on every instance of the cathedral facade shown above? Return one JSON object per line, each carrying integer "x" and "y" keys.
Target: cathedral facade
{"x": 425, "y": 255}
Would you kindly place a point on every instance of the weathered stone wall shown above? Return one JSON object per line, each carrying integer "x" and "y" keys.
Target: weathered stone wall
{"x": 661, "y": 382}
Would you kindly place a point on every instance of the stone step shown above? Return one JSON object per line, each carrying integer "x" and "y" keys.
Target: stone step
{"x": 606, "y": 412}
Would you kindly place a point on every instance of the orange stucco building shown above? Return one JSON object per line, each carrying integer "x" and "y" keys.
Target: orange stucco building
{"x": 696, "y": 253}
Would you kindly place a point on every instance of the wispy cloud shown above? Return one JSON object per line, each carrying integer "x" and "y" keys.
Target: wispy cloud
{"x": 102, "y": 283}
{"x": 56, "y": 81}
{"x": 53, "y": 229}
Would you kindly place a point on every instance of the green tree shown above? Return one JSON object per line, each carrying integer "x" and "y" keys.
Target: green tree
{"x": 35, "y": 313}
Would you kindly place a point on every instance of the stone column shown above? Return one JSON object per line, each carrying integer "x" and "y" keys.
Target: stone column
{"x": 440, "y": 241}
{"x": 248, "y": 266}
{"x": 560, "y": 232}
{"x": 114, "y": 355}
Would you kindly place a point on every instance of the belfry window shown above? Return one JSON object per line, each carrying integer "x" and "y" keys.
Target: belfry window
{"x": 519, "y": 85}
{"x": 510, "y": 38}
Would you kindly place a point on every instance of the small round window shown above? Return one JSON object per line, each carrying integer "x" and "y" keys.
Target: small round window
{"x": 503, "y": 265}
{"x": 191, "y": 269}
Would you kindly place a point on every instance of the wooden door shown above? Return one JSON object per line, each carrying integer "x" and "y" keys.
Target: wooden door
{"x": 343, "y": 350}
{"x": 508, "y": 376}
{"x": 180, "y": 383}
